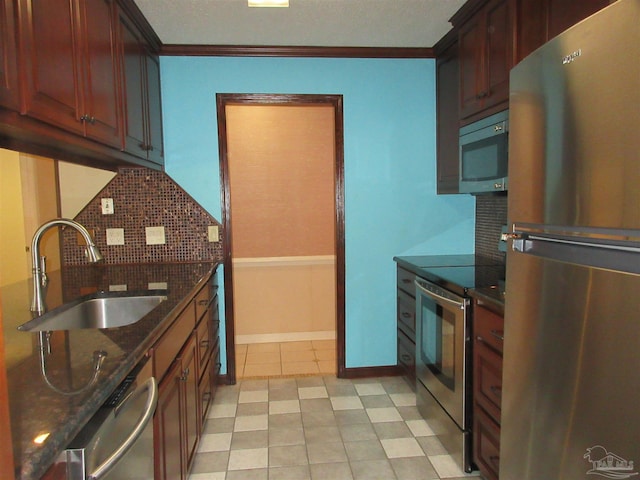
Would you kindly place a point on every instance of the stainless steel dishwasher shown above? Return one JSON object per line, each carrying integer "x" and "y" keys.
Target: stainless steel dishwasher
{"x": 117, "y": 443}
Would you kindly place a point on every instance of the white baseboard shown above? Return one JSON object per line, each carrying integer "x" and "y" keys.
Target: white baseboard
{"x": 286, "y": 337}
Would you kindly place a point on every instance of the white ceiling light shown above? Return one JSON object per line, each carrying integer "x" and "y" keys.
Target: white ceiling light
{"x": 268, "y": 3}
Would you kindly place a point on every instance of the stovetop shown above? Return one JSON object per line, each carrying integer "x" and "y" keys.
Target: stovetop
{"x": 458, "y": 273}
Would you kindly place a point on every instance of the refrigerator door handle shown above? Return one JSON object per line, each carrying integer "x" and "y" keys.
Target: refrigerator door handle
{"x": 622, "y": 256}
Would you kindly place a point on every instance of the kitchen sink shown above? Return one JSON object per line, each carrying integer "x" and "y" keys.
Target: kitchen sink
{"x": 100, "y": 310}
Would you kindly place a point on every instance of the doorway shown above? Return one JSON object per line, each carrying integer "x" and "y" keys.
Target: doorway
{"x": 278, "y": 232}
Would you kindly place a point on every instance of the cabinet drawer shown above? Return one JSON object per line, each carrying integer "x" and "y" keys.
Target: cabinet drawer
{"x": 205, "y": 391}
{"x": 488, "y": 328}
{"x": 486, "y": 444}
{"x": 205, "y": 341}
{"x": 406, "y": 354}
{"x": 407, "y": 314}
{"x": 487, "y": 381}
{"x": 203, "y": 299}
{"x": 170, "y": 344}
{"x": 405, "y": 281}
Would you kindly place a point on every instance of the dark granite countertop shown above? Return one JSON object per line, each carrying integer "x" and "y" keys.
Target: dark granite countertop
{"x": 40, "y": 405}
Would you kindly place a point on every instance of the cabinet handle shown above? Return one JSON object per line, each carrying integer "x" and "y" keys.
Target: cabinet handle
{"x": 406, "y": 315}
{"x": 499, "y": 334}
{"x": 495, "y": 459}
{"x": 206, "y": 396}
{"x": 496, "y": 390}
{"x": 143, "y": 146}
{"x": 405, "y": 357}
{"x": 204, "y": 344}
{"x": 406, "y": 280}
{"x": 88, "y": 118}
{"x": 185, "y": 374}
{"x": 203, "y": 302}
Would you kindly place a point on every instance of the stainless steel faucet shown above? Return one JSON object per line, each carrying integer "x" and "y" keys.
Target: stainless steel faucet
{"x": 38, "y": 262}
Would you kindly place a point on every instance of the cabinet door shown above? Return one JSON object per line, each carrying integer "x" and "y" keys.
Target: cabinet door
{"x": 52, "y": 79}
{"x": 8, "y": 65}
{"x": 498, "y": 53}
{"x": 447, "y": 80}
{"x": 471, "y": 41}
{"x": 192, "y": 399}
{"x": 133, "y": 64}
{"x": 168, "y": 427}
{"x": 540, "y": 20}
{"x": 154, "y": 115}
{"x": 101, "y": 86}
{"x": 562, "y": 14}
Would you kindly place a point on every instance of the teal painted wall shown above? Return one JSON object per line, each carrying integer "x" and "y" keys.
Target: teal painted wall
{"x": 391, "y": 206}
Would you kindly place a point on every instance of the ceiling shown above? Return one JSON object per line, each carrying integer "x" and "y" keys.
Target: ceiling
{"x": 319, "y": 23}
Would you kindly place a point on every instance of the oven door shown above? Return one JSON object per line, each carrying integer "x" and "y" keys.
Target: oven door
{"x": 441, "y": 347}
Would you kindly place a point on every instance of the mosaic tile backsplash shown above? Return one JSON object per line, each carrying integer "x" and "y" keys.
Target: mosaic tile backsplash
{"x": 491, "y": 215}
{"x": 146, "y": 198}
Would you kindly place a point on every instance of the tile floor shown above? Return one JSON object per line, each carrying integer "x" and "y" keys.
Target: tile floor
{"x": 319, "y": 427}
{"x": 312, "y": 357}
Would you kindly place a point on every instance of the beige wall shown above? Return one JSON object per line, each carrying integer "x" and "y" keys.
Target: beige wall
{"x": 14, "y": 260}
{"x": 281, "y": 169}
{"x": 285, "y": 299}
{"x": 79, "y": 185}
{"x": 29, "y": 197}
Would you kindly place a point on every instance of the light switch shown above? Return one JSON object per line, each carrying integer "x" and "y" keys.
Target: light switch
{"x": 107, "y": 206}
{"x": 213, "y": 234}
{"x": 118, "y": 288}
{"x": 155, "y": 235}
{"x": 115, "y": 236}
{"x": 157, "y": 286}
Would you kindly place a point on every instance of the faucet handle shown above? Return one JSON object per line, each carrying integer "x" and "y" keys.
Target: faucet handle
{"x": 43, "y": 271}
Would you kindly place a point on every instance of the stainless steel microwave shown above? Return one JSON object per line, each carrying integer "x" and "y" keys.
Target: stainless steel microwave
{"x": 484, "y": 155}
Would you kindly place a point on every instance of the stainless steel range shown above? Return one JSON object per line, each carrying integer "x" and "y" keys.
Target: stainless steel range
{"x": 443, "y": 345}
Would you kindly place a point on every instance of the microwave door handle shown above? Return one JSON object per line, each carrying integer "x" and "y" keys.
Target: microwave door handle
{"x": 435, "y": 296}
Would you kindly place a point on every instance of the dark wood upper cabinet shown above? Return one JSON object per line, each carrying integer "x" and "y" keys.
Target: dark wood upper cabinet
{"x": 141, "y": 82}
{"x": 154, "y": 130}
{"x": 562, "y": 14}
{"x": 8, "y": 65}
{"x": 485, "y": 56}
{"x": 447, "y": 78}
{"x": 51, "y": 60}
{"x": 69, "y": 74}
{"x": 541, "y": 20}
{"x": 101, "y": 85}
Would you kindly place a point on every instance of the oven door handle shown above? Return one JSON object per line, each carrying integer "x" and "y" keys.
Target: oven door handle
{"x": 461, "y": 305}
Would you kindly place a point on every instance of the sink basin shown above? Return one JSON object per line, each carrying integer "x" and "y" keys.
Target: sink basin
{"x": 100, "y": 310}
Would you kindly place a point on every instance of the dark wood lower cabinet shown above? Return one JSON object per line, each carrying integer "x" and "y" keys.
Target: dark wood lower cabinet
{"x": 191, "y": 402}
{"x": 168, "y": 426}
{"x": 488, "y": 337}
{"x": 188, "y": 386}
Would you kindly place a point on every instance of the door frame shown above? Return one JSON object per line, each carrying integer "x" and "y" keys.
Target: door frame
{"x": 224, "y": 99}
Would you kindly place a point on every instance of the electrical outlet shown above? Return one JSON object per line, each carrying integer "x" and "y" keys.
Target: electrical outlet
{"x": 115, "y": 236}
{"x": 155, "y": 235}
{"x": 212, "y": 233}
{"x": 107, "y": 206}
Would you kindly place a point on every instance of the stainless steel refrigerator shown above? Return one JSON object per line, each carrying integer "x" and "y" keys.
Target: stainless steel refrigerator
{"x": 571, "y": 393}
